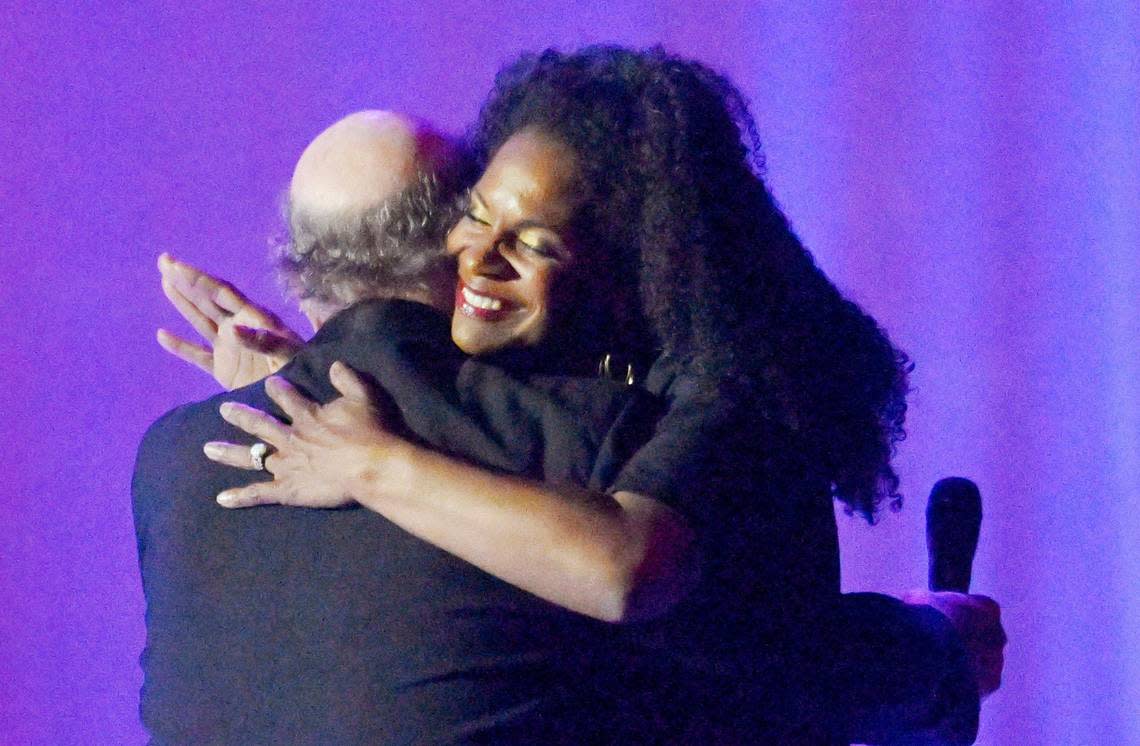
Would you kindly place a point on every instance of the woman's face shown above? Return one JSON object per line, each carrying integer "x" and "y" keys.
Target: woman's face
{"x": 514, "y": 248}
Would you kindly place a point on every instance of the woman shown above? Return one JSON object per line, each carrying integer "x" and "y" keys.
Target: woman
{"x": 620, "y": 217}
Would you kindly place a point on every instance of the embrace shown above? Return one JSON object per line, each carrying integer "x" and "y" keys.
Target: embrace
{"x": 558, "y": 464}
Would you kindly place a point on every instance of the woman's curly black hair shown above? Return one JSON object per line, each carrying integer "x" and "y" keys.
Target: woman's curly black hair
{"x": 670, "y": 169}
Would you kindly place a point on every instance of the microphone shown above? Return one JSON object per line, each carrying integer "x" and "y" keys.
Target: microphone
{"x": 953, "y": 519}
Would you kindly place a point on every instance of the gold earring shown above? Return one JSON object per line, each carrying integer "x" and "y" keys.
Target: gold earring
{"x": 605, "y": 367}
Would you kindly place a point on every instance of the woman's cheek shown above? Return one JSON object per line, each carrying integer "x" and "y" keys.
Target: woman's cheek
{"x": 456, "y": 240}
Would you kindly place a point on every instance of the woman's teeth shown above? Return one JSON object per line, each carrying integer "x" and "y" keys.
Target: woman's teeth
{"x": 481, "y": 301}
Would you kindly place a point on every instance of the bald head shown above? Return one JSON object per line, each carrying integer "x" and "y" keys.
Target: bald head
{"x": 362, "y": 160}
{"x": 369, "y": 204}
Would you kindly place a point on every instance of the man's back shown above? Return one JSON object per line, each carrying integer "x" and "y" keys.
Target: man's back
{"x": 337, "y": 626}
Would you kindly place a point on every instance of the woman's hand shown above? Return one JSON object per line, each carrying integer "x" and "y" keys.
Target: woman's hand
{"x": 321, "y": 460}
{"x": 977, "y": 620}
{"x": 245, "y": 342}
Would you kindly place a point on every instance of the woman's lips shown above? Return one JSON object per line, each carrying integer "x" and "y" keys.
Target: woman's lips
{"x": 478, "y": 305}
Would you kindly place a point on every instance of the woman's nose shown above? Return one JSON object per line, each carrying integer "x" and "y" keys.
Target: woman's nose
{"x": 485, "y": 258}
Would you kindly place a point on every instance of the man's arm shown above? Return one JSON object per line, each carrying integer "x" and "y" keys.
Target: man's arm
{"x": 183, "y": 555}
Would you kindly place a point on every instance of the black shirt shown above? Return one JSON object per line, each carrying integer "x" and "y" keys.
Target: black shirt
{"x": 766, "y": 649}
{"x": 307, "y": 626}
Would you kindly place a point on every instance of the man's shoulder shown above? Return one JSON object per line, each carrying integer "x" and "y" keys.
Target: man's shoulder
{"x": 379, "y": 319}
{"x": 186, "y": 421}
{"x": 172, "y": 428}
{"x": 383, "y": 339}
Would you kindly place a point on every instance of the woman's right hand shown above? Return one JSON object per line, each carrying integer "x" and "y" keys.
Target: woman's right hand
{"x": 327, "y": 456}
{"x": 245, "y": 342}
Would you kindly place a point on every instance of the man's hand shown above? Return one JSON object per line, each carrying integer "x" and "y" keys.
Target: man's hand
{"x": 245, "y": 342}
{"x": 977, "y": 620}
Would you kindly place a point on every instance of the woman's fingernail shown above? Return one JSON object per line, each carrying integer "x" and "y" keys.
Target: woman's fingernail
{"x": 225, "y": 499}
{"x": 226, "y": 408}
{"x": 212, "y": 449}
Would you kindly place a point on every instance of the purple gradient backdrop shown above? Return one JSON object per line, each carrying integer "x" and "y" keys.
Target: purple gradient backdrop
{"x": 972, "y": 176}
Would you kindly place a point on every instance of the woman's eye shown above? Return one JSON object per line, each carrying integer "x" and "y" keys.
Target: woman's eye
{"x": 538, "y": 249}
{"x": 470, "y": 215}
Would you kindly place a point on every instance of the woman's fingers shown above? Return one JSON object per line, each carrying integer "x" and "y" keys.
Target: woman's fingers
{"x": 266, "y": 341}
{"x": 292, "y": 402}
{"x": 195, "y": 354}
{"x": 206, "y": 300}
{"x": 213, "y": 297}
{"x": 223, "y": 295}
{"x": 190, "y": 311}
{"x": 348, "y": 383}
{"x": 255, "y": 422}
{"x": 260, "y": 493}
{"x": 260, "y": 317}
{"x": 231, "y": 454}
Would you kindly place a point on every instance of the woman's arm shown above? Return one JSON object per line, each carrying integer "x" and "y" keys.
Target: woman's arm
{"x": 618, "y": 557}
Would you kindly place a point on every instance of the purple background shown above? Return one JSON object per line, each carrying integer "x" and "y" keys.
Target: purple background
{"x": 972, "y": 176}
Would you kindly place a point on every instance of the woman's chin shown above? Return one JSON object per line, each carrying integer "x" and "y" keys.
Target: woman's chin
{"x": 476, "y": 336}
{"x": 475, "y": 339}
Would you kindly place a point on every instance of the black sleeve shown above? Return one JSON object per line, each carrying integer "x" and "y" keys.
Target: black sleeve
{"x": 552, "y": 427}
{"x": 684, "y": 447}
{"x": 897, "y": 674}
{"x": 880, "y": 670}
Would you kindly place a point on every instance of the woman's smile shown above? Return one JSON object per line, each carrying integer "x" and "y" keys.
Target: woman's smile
{"x": 480, "y": 305}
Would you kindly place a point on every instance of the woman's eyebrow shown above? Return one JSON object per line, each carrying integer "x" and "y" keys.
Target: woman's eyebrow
{"x": 478, "y": 201}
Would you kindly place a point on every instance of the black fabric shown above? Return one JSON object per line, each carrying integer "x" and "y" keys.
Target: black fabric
{"x": 302, "y": 626}
{"x": 305, "y": 626}
{"x": 767, "y": 631}
{"x": 897, "y": 674}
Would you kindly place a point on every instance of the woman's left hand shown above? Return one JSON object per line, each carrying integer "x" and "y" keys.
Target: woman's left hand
{"x": 321, "y": 460}
{"x": 977, "y": 619}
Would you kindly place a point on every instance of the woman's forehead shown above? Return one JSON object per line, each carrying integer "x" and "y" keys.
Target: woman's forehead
{"x": 532, "y": 174}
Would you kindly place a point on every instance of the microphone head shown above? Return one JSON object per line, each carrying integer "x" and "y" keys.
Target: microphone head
{"x": 953, "y": 520}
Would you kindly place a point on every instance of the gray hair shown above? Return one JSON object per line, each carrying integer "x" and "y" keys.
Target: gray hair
{"x": 392, "y": 248}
